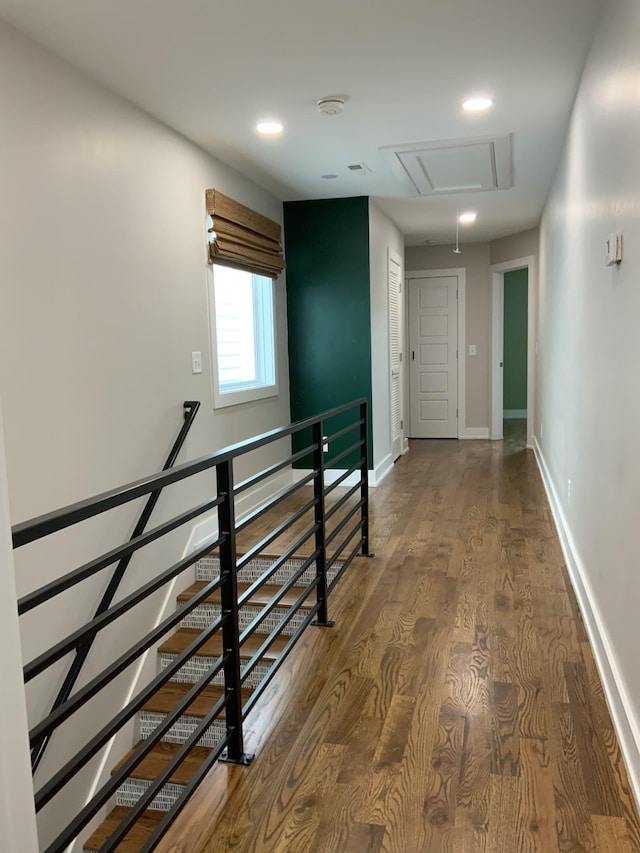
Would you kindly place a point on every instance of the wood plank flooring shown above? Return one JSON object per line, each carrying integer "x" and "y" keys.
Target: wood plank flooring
{"x": 455, "y": 706}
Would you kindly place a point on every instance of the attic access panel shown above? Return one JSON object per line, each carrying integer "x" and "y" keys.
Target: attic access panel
{"x": 452, "y": 166}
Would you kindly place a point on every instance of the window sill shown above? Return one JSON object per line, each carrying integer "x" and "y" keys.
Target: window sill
{"x": 247, "y": 395}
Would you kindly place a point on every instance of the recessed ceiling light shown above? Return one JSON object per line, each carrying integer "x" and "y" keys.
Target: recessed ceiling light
{"x": 328, "y": 177}
{"x": 476, "y": 105}
{"x": 467, "y": 218}
{"x": 269, "y": 128}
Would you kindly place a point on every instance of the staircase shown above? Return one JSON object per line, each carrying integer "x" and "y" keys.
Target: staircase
{"x": 170, "y": 694}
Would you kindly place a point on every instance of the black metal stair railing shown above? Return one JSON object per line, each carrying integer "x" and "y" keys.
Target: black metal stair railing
{"x": 82, "y": 652}
{"x": 347, "y": 538}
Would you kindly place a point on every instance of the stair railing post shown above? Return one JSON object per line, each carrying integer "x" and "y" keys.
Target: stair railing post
{"x": 321, "y": 528}
{"x": 364, "y": 479}
{"x": 234, "y": 753}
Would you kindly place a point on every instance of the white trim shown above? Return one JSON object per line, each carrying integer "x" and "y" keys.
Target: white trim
{"x": 514, "y": 413}
{"x": 405, "y": 447}
{"x": 461, "y": 273}
{"x": 381, "y": 470}
{"x": 475, "y": 432}
{"x": 626, "y": 726}
{"x": 497, "y": 272}
{"x": 331, "y": 474}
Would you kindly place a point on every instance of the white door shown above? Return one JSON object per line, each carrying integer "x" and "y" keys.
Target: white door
{"x": 395, "y": 350}
{"x": 433, "y": 368}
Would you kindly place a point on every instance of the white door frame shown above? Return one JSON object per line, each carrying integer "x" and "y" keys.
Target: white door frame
{"x": 497, "y": 342}
{"x": 460, "y": 272}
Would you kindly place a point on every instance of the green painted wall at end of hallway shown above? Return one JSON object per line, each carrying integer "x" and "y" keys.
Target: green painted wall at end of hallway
{"x": 329, "y": 312}
{"x": 515, "y": 340}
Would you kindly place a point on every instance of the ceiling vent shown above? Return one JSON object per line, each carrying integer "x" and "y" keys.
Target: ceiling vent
{"x": 452, "y": 166}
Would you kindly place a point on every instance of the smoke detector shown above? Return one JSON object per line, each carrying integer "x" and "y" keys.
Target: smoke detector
{"x": 330, "y": 106}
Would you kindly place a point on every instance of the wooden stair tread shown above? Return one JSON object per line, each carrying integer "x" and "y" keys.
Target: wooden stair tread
{"x": 261, "y": 597}
{"x": 135, "y": 839}
{"x": 183, "y": 638}
{"x": 170, "y": 694}
{"x": 268, "y": 555}
{"x": 161, "y": 754}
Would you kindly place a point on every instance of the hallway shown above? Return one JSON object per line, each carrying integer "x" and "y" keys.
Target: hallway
{"x": 455, "y": 706}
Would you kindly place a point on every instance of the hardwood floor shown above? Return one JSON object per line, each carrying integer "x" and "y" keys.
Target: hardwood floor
{"x": 455, "y": 706}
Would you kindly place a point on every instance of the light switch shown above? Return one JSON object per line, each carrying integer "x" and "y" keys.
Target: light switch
{"x": 196, "y": 362}
{"x": 472, "y": 349}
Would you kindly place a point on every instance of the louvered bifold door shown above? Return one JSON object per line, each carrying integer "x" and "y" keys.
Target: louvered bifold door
{"x": 395, "y": 349}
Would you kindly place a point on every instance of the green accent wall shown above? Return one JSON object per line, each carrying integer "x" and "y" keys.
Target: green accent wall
{"x": 515, "y": 340}
{"x": 328, "y": 313}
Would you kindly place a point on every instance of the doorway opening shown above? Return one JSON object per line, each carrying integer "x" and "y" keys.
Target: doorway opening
{"x": 513, "y": 345}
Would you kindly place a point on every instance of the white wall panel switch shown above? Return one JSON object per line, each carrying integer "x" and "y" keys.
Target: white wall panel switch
{"x": 473, "y": 350}
{"x": 196, "y": 362}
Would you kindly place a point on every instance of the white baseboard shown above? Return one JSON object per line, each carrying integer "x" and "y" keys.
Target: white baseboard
{"x": 626, "y": 726}
{"x": 332, "y": 474}
{"x": 474, "y": 432}
{"x": 381, "y": 470}
{"x": 514, "y": 413}
{"x": 405, "y": 446}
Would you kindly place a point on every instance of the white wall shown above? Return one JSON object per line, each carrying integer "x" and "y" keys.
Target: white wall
{"x": 588, "y": 403}
{"x": 521, "y": 245}
{"x": 102, "y": 300}
{"x": 383, "y": 235}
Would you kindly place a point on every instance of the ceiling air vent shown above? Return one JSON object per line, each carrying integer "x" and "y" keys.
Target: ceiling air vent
{"x": 452, "y": 166}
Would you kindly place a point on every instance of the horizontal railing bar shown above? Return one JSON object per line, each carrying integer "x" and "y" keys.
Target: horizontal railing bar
{"x": 344, "y": 521}
{"x": 336, "y": 506}
{"x": 258, "y": 513}
{"x": 45, "y": 660}
{"x": 62, "y": 713}
{"x": 345, "y": 566}
{"x": 272, "y": 469}
{"x": 33, "y": 599}
{"x": 94, "y": 686}
{"x": 340, "y": 549}
{"x": 43, "y": 525}
{"x": 257, "y": 656}
{"x": 336, "y": 435}
{"x": 66, "y": 773}
{"x": 273, "y": 603}
{"x": 182, "y": 800}
{"x": 273, "y": 568}
{"x": 259, "y": 690}
{"x": 57, "y": 782}
{"x": 342, "y": 477}
{"x": 352, "y": 447}
{"x": 93, "y": 807}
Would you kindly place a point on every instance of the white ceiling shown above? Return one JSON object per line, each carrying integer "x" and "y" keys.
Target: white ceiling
{"x": 212, "y": 69}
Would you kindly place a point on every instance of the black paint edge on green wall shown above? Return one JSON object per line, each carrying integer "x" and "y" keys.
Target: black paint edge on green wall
{"x": 328, "y": 313}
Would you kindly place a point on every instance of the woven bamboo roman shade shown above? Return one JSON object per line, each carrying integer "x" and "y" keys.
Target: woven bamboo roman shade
{"x": 243, "y": 238}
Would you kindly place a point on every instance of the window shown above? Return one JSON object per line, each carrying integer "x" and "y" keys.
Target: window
{"x": 242, "y": 336}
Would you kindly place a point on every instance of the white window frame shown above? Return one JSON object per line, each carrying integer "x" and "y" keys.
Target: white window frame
{"x": 243, "y": 392}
